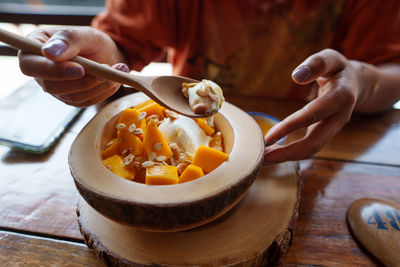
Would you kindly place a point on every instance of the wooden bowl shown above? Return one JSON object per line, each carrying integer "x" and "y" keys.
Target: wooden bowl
{"x": 167, "y": 207}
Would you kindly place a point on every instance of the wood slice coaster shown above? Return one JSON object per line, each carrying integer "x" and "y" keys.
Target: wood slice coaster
{"x": 257, "y": 231}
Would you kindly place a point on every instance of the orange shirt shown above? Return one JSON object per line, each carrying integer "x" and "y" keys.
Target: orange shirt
{"x": 250, "y": 47}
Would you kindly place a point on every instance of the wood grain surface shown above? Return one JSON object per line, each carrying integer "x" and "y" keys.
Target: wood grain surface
{"x": 37, "y": 192}
{"x": 322, "y": 235}
{"x": 27, "y": 250}
{"x": 38, "y": 196}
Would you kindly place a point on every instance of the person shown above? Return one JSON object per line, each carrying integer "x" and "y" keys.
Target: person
{"x": 346, "y": 52}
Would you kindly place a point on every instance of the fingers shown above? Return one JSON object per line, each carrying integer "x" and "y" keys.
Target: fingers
{"x": 73, "y": 86}
{"x": 318, "y": 135}
{"x": 83, "y": 92}
{"x": 336, "y": 95}
{"x": 339, "y": 101}
{"x": 90, "y": 97}
{"x": 325, "y": 115}
{"x": 322, "y": 64}
{"x": 39, "y": 66}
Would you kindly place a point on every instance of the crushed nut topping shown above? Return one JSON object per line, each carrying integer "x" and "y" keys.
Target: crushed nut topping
{"x": 142, "y": 115}
{"x": 128, "y": 159}
{"x": 132, "y": 127}
{"x": 153, "y": 117}
{"x": 121, "y": 126}
{"x": 136, "y": 165}
{"x": 175, "y": 150}
{"x": 124, "y": 152}
{"x": 201, "y": 92}
{"x": 148, "y": 164}
{"x": 181, "y": 167}
{"x": 174, "y": 162}
{"x": 137, "y": 131}
{"x": 110, "y": 143}
{"x": 161, "y": 158}
{"x": 185, "y": 91}
{"x": 171, "y": 114}
{"x": 201, "y": 108}
{"x": 152, "y": 156}
{"x": 204, "y": 97}
{"x": 157, "y": 146}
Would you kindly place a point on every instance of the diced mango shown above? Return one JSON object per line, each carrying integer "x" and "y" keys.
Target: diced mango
{"x": 116, "y": 165}
{"x": 153, "y": 109}
{"x": 162, "y": 175}
{"x": 191, "y": 172}
{"x": 130, "y": 142}
{"x": 145, "y": 103}
{"x": 153, "y": 136}
{"x": 202, "y": 122}
{"x": 111, "y": 149}
{"x": 130, "y": 116}
{"x": 208, "y": 158}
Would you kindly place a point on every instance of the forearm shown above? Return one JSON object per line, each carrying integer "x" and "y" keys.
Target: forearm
{"x": 379, "y": 87}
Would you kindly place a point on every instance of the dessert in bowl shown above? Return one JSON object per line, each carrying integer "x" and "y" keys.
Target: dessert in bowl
{"x": 172, "y": 207}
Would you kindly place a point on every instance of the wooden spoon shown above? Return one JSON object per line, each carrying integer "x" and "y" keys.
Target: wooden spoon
{"x": 165, "y": 90}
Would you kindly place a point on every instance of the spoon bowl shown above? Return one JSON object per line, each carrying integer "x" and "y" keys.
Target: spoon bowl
{"x": 173, "y": 96}
{"x": 165, "y": 90}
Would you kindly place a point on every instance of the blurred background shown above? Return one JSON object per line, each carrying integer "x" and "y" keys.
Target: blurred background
{"x": 24, "y": 16}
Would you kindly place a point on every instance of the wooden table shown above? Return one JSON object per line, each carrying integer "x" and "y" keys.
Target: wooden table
{"x": 38, "y": 224}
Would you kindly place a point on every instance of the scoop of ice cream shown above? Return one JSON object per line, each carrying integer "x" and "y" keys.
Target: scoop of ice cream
{"x": 204, "y": 97}
{"x": 185, "y": 132}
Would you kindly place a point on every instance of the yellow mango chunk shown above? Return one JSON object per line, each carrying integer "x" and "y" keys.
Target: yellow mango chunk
{"x": 128, "y": 117}
{"x": 191, "y": 172}
{"x": 208, "y": 158}
{"x": 202, "y": 122}
{"x": 162, "y": 175}
{"x": 111, "y": 149}
{"x": 153, "y": 109}
{"x": 152, "y": 140}
{"x": 143, "y": 104}
{"x": 130, "y": 142}
{"x": 116, "y": 165}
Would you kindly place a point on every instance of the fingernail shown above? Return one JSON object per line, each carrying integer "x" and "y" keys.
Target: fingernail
{"x": 74, "y": 71}
{"x": 55, "y": 47}
{"x": 123, "y": 67}
{"x": 302, "y": 73}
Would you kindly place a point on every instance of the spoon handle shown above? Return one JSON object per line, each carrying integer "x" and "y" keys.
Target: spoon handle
{"x": 96, "y": 69}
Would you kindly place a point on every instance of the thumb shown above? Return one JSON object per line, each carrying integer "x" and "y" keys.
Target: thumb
{"x": 65, "y": 43}
{"x": 322, "y": 64}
